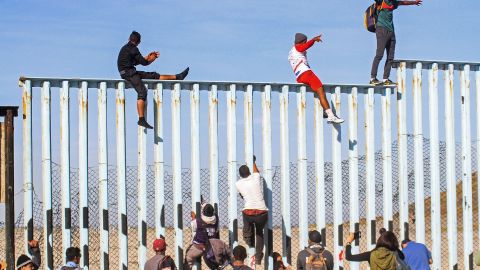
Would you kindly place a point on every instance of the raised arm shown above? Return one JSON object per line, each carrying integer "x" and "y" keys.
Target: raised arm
{"x": 255, "y": 168}
{"x": 410, "y": 3}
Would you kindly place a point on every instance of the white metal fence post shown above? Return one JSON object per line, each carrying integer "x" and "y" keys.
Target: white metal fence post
{"x": 213, "y": 144}
{"x": 47, "y": 176}
{"x": 353, "y": 169}
{"x": 267, "y": 171}
{"x": 27, "y": 162}
{"x": 232, "y": 164}
{"x": 142, "y": 191}
{"x": 319, "y": 168}
{"x": 466, "y": 168}
{"x": 370, "y": 167}
{"x": 337, "y": 179}
{"x": 434, "y": 167}
{"x": 103, "y": 175}
{"x": 159, "y": 161}
{"x": 121, "y": 177}
{"x": 450, "y": 168}
{"x": 387, "y": 160}
{"x": 302, "y": 167}
{"x": 83, "y": 172}
{"x": 285, "y": 176}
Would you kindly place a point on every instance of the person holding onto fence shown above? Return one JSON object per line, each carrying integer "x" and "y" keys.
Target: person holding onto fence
{"x": 255, "y": 211}
{"x": 417, "y": 255}
{"x": 129, "y": 57}
{"x": 239, "y": 256}
{"x": 315, "y": 256}
{"x": 278, "y": 262}
{"x": 386, "y": 40}
{"x": 72, "y": 258}
{"x": 304, "y": 74}
{"x": 205, "y": 228}
{"x": 385, "y": 256}
{"x": 160, "y": 261}
{"x": 25, "y": 262}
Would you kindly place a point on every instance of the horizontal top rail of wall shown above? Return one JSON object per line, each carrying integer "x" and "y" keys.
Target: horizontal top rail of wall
{"x": 442, "y": 64}
{"x": 188, "y": 85}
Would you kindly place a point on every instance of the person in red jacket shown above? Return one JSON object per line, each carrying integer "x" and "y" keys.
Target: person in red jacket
{"x": 298, "y": 60}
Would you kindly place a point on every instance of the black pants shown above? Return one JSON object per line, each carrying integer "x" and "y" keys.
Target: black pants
{"x": 385, "y": 41}
{"x": 253, "y": 233}
{"x": 135, "y": 79}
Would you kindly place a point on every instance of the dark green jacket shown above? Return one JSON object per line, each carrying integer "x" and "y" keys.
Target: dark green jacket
{"x": 385, "y": 16}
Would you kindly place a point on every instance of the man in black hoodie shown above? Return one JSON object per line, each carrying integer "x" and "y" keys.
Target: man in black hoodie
{"x": 313, "y": 250}
{"x": 128, "y": 57}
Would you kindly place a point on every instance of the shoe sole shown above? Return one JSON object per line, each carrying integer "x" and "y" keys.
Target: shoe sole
{"x": 332, "y": 122}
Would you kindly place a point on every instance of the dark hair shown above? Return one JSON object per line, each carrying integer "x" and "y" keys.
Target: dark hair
{"x": 208, "y": 210}
{"x": 244, "y": 171}
{"x": 276, "y": 255}
{"x": 388, "y": 240}
{"x": 135, "y": 37}
{"x": 382, "y": 231}
{"x": 72, "y": 252}
{"x": 239, "y": 253}
{"x": 405, "y": 241}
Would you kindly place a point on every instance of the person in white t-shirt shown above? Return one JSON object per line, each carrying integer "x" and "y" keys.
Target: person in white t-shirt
{"x": 255, "y": 211}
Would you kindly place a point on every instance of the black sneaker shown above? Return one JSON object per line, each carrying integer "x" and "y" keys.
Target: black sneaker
{"x": 142, "y": 122}
{"x": 375, "y": 82}
{"x": 183, "y": 74}
{"x": 388, "y": 82}
{"x": 325, "y": 115}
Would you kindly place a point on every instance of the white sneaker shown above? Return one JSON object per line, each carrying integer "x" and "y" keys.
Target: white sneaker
{"x": 335, "y": 120}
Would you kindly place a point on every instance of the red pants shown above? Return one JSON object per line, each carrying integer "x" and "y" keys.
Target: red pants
{"x": 309, "y": 78}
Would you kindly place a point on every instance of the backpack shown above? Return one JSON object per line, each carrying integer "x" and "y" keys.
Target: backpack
{"x": 401, "y": 264}
{"x": 370, "y": 17}
{"x": 315, "y": 261}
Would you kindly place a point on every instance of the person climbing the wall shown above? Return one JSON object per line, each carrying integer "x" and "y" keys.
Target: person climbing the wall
{"x": 129, "y": 57}
{"x": 304, "y": 74}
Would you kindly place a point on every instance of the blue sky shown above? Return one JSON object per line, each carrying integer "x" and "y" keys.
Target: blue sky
{"x": 220, "y": 40}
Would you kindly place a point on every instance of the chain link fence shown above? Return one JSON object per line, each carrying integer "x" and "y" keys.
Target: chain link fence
{"x": 131, "y": 187}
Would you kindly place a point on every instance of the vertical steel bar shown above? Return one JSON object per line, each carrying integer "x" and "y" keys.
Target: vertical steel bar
{"x": 177, "y": 174}
{"x": 418, "y": 142}
{"x": 142, "y": 192}
{"x": 103, "y": 175}
{"x": 477, "y": 94}
{"x": 319, "y": 168}
{"x": 302, "y": 167}
{"x": 248, "y": 122}
{"x": 466, "y": 169}
{"x": 402, "y": 149}
{"x": 353, "y": 169}
{"x": 387, "y": 160}
{"x": 434, "y": 167}
{"x": 121, "y": 177}
{"x": 370, "y": 167}
{"x": 248, "y": 135}
{"x": 337, "y": 180}
{"x": 267, "y": 170}
{"x": 158, "y": 161}
{"x": 285, "y": 176}
{"x": 195, "y": 152}
{"x": 65, "y": 164}
{"x": 47, "y": 175}
{"x": 83, "y": 171}
{"x": 195, "y": 146}
{"x": 232, "y": 163}
{"x": 27, "y": 162}
{"x": 213, "y": 144}
{"x": 450, "y": 170}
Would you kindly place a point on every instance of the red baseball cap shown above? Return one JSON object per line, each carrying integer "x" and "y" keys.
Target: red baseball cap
{"x": 159, "y": 244}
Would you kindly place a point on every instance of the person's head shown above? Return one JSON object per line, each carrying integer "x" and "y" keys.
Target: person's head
{"x": 135, "y": 38}
{"x": 24, "y": 263}
{"x": 208, "y": 210}
{"x": 388, "y": 240}
{"x": 314, "y": 237}
{"x": 73, "y": 255}
{"x": 244, "y": 171}
{"x": 405, "y": 242}
{"x": 276, "y": 256}
{"x": 239, "y": 253}
{"x": 300, "y": 38}
{"x": 159, "y": 245}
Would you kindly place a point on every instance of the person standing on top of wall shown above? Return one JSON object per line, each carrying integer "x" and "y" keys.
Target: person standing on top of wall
{"x": 386, "y": 40}
{"x": 255, "y": 211}
{"x": 128, "y": 57}
{"x": 298, "y": 60}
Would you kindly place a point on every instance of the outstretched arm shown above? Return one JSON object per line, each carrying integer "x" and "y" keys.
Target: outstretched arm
{"x": 255, "y": 168}
{"x": 410, "y": 3}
